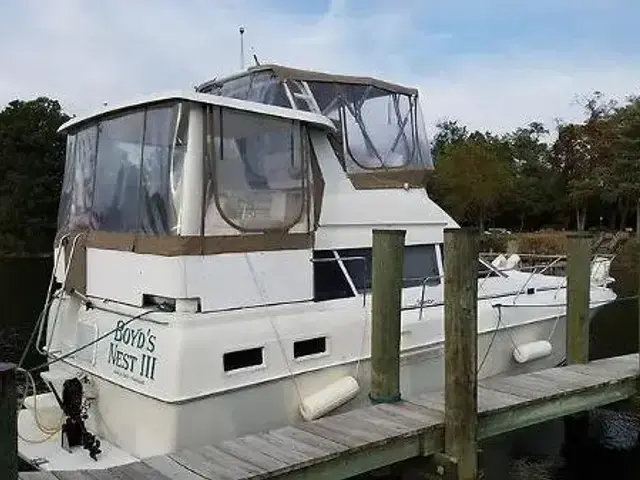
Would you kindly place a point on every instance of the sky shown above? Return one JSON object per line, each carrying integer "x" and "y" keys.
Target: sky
{"x": 492, "y": 65}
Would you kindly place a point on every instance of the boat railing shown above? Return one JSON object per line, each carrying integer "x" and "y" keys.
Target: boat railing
{"x": 554, "y": 263}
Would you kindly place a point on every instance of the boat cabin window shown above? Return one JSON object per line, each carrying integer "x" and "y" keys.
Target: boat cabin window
{"x": 263, "y": 87}
{"x": 76, "y": 198}
{"x": 338, "y": 270}
{"x": 383, "y": 129}
{"x": 330, "y": 280}
{"x": 311, "y": 346}
{"x": 259, "y": 171}
{"x": 251, "y": 357}
{"x": 120, "y": 173}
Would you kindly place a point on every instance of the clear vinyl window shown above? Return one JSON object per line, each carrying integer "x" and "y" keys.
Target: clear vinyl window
{"x": 259, "y": 170}
{"x": 120, "y": 173}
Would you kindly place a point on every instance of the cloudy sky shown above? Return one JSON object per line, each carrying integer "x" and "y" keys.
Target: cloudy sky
{"x": 495, "y": 64}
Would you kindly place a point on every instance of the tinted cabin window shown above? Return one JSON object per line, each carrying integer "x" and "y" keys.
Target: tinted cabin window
{"x": 312, "y": 346}
{"x": 242, "y": 359}
{"x": 329, "y": 281}
{"x": 357, "y": 261}
{"x": 420, "y": 265}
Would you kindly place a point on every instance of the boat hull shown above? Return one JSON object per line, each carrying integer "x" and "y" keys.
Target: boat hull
{"x": 119, "y": 412}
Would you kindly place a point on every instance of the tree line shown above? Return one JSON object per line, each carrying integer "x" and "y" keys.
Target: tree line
{"x": 587, "y": 176}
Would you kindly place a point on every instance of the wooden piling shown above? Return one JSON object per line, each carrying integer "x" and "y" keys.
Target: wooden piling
{"x": 388, "y": 261}
{"x": 461, "y": 345}
{"x": 578, "y": 282}
{"x": 8, "y": 422}
{"x": 576, "y": 426}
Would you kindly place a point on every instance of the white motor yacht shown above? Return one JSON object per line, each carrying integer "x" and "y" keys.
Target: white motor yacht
{"x": 213, "y": 268}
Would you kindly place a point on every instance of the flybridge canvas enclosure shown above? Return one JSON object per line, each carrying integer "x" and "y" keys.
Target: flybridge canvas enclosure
{"x": 381, "y": 123}
{"x": 182, "y": 168}
{"x": 123, "y": 173}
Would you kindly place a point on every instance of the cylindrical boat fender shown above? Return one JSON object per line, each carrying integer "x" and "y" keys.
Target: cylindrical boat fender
{"x": 531, "y": 351}
{"x": 512, "y": 262}
{"x": 330, "y": 397}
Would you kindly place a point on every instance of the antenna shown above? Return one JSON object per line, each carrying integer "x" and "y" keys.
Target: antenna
{"x": 241, "y": 48}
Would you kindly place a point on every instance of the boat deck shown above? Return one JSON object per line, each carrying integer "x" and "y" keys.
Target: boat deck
{"x": 366, "y": 439}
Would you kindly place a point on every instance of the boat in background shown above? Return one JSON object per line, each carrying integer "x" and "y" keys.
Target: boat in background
{"x": 213, "y": 268}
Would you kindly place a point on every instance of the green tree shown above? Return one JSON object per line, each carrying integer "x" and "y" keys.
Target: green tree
{"x": 448, "y": 132}
{"x": 31, "y": 168}
{"x": 532, "y": 194}
{"x": 473, "y": 177}
{"x": 622, "y": 187}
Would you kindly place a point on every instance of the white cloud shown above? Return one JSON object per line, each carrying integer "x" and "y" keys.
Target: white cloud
{"x": 84, "y": 53}
{"x": 500, "y": 94}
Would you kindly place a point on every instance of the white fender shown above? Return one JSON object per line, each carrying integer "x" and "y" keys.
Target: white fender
{"x": 531, "y": 351}
{"x": 330, "y": 397}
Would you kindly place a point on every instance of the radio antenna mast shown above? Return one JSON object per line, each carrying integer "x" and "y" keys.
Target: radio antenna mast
{"x": 241, "y": 48}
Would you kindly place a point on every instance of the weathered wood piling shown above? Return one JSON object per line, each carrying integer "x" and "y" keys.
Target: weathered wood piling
{"x": 578, "y": 285}
{"x": 388, "y": 261}
{"x": 8, "y": 422}
{"x": 460, "y": 350}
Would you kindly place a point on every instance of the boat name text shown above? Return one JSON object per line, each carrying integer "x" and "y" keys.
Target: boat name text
{"x": 138, "y": 364}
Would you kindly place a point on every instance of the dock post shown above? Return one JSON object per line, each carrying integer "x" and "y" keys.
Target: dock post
{"x": 576, "y": 426}
{"x": 461, "y": 253}
{"x": 387, "y": 267}
{"x": 578, "y": 280}
{"x": 8, "y": 422}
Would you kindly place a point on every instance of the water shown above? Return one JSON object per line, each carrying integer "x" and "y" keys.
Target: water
{"x": 531, "y": 454}
{"x": 23, "y": 286}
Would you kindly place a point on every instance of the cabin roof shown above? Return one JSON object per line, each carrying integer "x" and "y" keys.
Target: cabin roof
{"x": 285, "y": 72}
{"x": 205, "y": 98}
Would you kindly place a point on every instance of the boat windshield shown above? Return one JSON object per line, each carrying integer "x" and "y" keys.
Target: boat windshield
{"x": 121, "y": 173}
{"x": 381, "y": 125}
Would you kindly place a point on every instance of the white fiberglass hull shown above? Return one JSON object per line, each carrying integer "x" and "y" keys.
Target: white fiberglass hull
{"x": 267, "y": 405}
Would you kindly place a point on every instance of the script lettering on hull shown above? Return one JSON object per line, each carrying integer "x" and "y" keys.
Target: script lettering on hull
{"x": 131, "y": 353}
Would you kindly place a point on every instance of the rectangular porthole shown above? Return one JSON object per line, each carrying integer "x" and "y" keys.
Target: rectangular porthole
{"x": 312, "y": 346}
{"x": 251, "y": 357}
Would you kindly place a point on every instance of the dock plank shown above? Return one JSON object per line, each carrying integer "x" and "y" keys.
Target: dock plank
{"x": 169, "y": 468}
{"x": 133, "y": 471}
{"x": 528, "y": 386}
{"x": 492, "y": 400}
{"x": 300, "y": 436}
{"x": 408, "y": 415}
{"x": 430, "y": 400}
{"x": 37, "y": 476}
{"x": 240, "y": 449}
{"x": 571, "y": 377}
{"x": 211, "y": 463}
{"x": 69, "y": 475}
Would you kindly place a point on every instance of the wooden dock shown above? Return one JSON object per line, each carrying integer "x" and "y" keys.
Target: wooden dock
{"x": 366, "y": 439}
{"x": 440, "y": 427}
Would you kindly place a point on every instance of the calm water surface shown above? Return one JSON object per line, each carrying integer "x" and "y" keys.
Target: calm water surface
{"x": 534, "y": 453}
